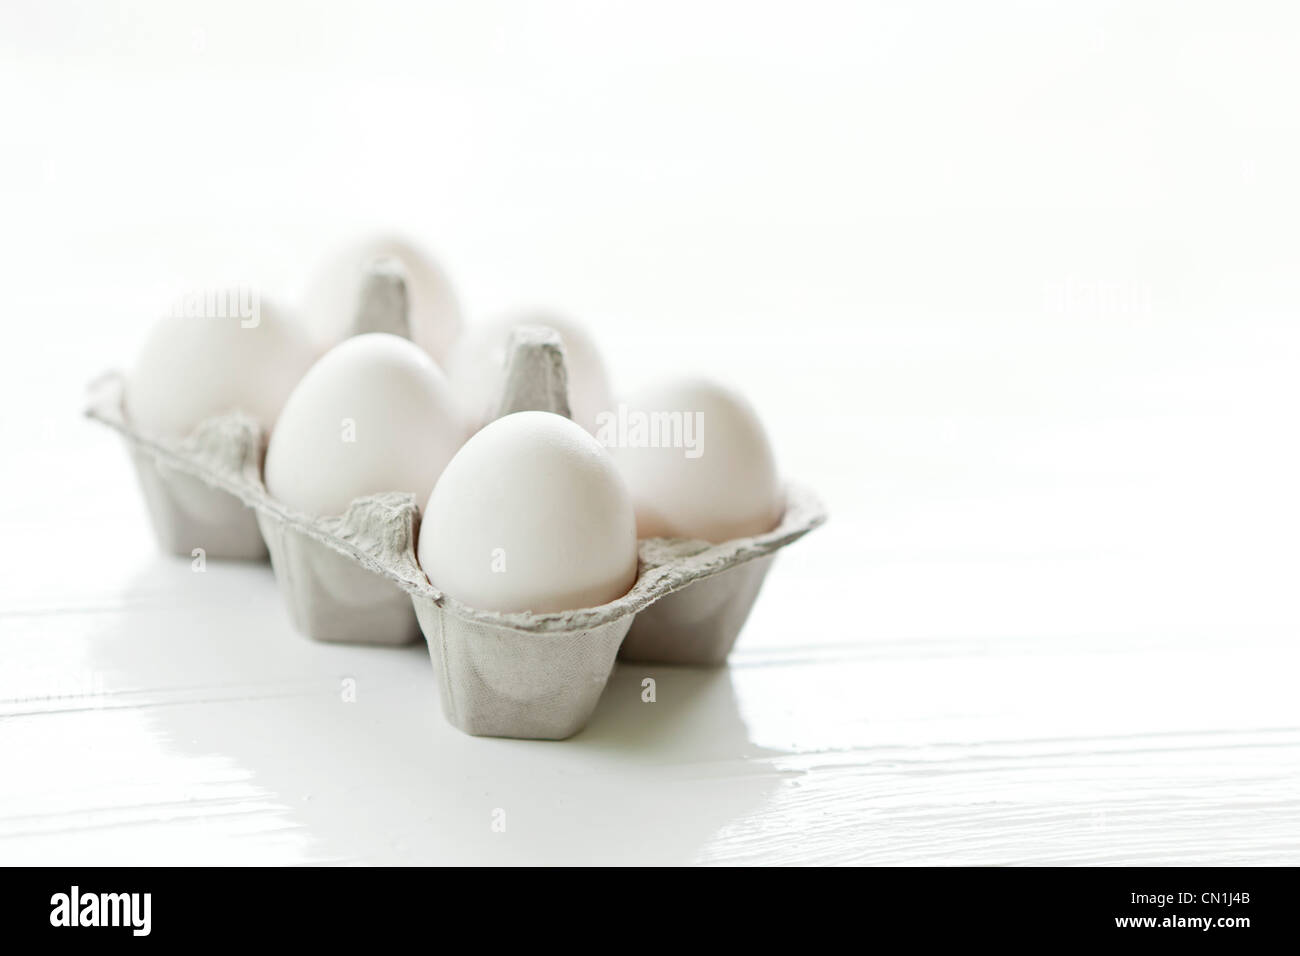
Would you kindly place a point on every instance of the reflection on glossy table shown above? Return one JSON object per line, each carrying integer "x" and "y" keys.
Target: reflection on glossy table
{"x": 154, "y": 714}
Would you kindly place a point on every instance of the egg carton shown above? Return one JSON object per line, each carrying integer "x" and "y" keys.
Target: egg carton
{"x": 355, "y": 577}
{"x": 190, "y": 515}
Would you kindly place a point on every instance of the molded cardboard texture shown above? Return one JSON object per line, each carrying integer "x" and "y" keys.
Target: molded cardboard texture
{"x": 186, "y": 511}
{"x": 331, "y": 598}
{"x": 699, "y": 624}
{"x": 499, "y": 682}
{"x": 355, "y": 577}
{"x": 187, "y": 514}
{"x": 510, "y": 675}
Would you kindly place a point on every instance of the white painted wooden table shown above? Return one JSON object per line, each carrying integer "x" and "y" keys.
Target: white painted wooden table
{"x": 881, "y": 708}
{"x": 1034, "y": 341}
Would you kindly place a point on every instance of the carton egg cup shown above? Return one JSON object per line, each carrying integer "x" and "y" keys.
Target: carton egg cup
{"x": 188, "y": 514}
{"x": 355, "y": 577}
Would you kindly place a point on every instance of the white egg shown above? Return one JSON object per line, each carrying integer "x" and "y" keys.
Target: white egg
{"x": 476, "y": 368}
{"x": 530, "y": 516}
{"x": 333, "y": 299}
{"x": 697, "y": 461}
{"x": 374, "y": 414}
{"x": 221, "y": 351}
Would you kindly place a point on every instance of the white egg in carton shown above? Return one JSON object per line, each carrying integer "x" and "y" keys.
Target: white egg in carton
{"x": 355, "y": 578}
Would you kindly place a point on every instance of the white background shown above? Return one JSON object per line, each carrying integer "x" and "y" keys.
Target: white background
{"x": 1014, "y": 286}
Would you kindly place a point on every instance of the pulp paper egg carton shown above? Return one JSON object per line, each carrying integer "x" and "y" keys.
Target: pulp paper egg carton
{"x": 355, "y": 577}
